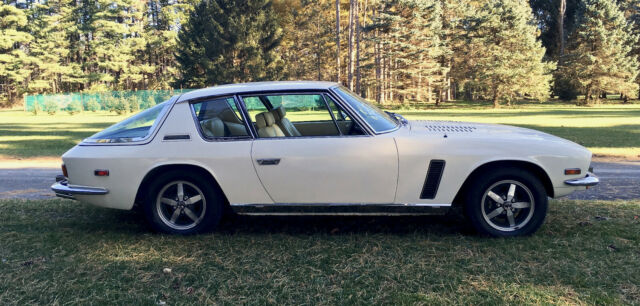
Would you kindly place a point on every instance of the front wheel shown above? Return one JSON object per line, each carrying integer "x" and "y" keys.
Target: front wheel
{"x": 506, "y": 202}
{"x": 182, "y": 203}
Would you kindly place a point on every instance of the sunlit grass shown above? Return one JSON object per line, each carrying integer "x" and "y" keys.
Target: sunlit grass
{"x": 60, "y": 252}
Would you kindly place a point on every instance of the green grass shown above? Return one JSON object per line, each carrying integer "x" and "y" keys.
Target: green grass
{"x": 61, "y": 252}
{"x": 607, "y": 130}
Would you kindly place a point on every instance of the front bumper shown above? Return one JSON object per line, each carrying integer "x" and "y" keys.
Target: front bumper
{"x": 63, "y": 190}
{"x": 589, "y": 180}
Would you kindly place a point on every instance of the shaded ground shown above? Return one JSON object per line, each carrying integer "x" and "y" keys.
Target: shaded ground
{"x": 619, "y": 181}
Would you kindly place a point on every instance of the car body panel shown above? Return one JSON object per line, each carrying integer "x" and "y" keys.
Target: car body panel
{"x": 329, "y": 169}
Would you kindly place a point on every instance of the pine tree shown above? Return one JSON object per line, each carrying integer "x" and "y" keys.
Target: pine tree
{"x": 601, "y": 56}
{"x": 508, "y": 58}
{"x": 16, "y": 64}
{"x": 226, "y": 41}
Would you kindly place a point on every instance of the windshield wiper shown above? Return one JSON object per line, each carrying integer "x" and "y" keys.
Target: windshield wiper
{"x": 398, "y": 118}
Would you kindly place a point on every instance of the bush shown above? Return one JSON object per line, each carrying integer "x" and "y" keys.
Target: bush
{"x": 120, "y": 106}
{"x": 148, "y": 103}
{"x": 74, "y": 107}
{"x": 92, "y": 106}
{"x": 134, "y": 104}
{"x": 565, "y": 89}
{"x": 51, "y": 107}
{"x": 36, "y": 108}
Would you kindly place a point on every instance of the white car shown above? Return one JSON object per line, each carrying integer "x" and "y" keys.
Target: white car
{"x": 289, "y": 148}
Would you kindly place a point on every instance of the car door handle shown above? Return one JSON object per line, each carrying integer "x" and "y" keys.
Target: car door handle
{"x": 268, "y": 161}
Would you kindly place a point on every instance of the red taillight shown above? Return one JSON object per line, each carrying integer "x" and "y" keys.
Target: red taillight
{"x": 64, "y": 171}
{"x": 101, "y": 172}
{"x": 573, "y": 171}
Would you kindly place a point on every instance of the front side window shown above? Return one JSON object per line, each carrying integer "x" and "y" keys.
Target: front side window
{"x": 220, "y": 118}
{"x": 132, "y": 129}
{"x": 291, "y": 115}
{"x": 375, "y": 117}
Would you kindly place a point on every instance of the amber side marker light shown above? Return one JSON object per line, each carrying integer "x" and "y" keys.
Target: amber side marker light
{"x": 572, "y": 171}
{"x": 101, "y": 172}
{"x": 64, "y": 171}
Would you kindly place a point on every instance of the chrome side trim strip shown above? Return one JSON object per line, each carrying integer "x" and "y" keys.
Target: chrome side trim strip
{"x": 589, "y": 180}
{"x": 344, "y": 209}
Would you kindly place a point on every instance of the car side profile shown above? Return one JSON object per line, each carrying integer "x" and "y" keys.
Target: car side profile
{"x": 290, "y": 148}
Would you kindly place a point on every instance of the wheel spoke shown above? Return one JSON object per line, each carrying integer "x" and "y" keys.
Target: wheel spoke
{"x": 521, "y": 205}
{"x": 495, "y": 213}
{"x": 495, "y": 197}
{"x": 512, "y": 192}
{"x": 169, "y": 202}
{"x": 190, "y": 214}
{"x": 174, "y": 217}
{"x": 510, "y": 218}
{"x": 180, "y": 191}
{"x": 193, "y": 199}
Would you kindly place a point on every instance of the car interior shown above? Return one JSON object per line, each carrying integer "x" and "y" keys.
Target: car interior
{"x": 275, "y": 116}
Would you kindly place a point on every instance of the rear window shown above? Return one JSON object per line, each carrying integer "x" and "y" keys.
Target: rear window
{"x": 134, "y": 128}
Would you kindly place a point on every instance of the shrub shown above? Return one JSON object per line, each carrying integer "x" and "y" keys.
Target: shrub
{"x": 566, "y": 89}
{"x": 92, "y": 105}
{"x": 120, "y": 106}
{"x": 36, "y": 108}
{"x": 134, "y": 104}
{"x": 74, "y": 107}
{"x": 51, "y": 107}
{"x": 148, "y": 103}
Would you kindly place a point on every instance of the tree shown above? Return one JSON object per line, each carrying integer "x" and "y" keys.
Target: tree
{"x": 508, "y": 59}
{"x": 601, "y": 57}
{"x": 16, "y": 64}
{"x": 226, "y": 41}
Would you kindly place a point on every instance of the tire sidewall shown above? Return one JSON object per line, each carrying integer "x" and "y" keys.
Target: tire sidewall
{"x": 475, "y": 196}
{"x": 214, "y": 204}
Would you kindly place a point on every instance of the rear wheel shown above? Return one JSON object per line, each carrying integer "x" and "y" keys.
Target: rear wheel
{"x": 506, "y": 202}
{"x": 182, "y": 203}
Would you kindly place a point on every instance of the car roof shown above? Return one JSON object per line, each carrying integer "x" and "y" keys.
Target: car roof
{"x": 255, "y": 86}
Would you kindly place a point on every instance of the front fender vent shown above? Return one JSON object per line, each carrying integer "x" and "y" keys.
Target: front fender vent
{"x": 450, "y": 128}
{"x": 432, "y": 182}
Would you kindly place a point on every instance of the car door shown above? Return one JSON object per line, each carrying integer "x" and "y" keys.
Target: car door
{"x": 334, "y": 165}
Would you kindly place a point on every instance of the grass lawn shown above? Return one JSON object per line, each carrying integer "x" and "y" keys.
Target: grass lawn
{"x": 608, "y": 129}
{"x": 61, "y": 252}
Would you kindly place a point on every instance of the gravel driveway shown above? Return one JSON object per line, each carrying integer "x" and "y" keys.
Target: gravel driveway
{"x": 619, "y": 180}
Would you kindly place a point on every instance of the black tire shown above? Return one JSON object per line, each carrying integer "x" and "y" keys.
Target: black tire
{"x": 207, "y": 211}
{"x": 490, "y": 217}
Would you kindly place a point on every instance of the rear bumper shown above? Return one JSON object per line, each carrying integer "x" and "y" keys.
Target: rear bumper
{"x": 63, "y": 190}
{"x": 589, "y": 180}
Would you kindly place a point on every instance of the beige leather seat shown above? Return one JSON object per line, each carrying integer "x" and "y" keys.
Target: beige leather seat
{"x": 213, "y": 127}
{"x": 285, "y": 125}
{"x": 267, "y": 125}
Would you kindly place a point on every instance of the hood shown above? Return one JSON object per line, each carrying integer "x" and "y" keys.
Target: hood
{"x": 479, "y": 130}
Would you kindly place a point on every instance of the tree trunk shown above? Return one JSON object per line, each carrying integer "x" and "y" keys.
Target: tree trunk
{"x": 338, "y": 41}
{"x": 352, "y": 6}
{"x": 496, "y": 103}
{"x": 357, "y": 22}
{"x": 562, "y": 9}
{"x": 587, "y": 95}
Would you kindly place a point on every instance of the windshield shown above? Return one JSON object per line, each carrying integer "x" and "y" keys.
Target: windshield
{"x": 134, "y": 128}
{"x": 377, "y": 119}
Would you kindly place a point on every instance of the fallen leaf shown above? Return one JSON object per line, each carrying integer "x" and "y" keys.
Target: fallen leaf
{"x": 189, "y": 290}
{"x": 612, "y": 247}
{"x": 166, "y": 270}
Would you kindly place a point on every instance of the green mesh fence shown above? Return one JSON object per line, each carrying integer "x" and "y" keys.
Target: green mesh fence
{"x": 102, "y": 100}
